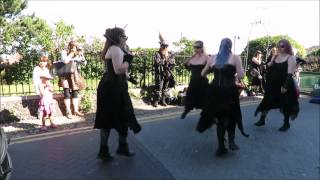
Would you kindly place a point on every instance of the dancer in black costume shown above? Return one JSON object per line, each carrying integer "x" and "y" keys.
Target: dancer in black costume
{"x": 222, "y": 102}
{"x": 114, "y": 106}
{"x": 198, "y": 85}
{"x": 280, "y": 88}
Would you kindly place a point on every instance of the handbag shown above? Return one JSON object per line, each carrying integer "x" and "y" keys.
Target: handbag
{"x": 79, "y": 80}
{"x": 62, "y": 69}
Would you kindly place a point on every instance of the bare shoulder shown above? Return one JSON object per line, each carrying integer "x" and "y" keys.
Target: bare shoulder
{"x": 235, "y": 59}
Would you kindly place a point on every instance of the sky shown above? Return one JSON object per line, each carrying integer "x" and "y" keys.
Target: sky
{"x": 209, "y": 21}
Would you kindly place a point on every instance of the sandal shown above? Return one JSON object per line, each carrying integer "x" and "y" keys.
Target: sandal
{"x": 53, "y": 126}
{"x": 44, "y": 128}
{"x": 78, "y": 114}
{"x": 69, "y": 116}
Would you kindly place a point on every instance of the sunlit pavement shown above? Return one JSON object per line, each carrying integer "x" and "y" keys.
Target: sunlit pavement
{"x": 172, "y": 149}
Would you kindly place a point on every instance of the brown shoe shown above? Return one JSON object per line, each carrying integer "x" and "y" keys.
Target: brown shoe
{"x": 78, "y": 114}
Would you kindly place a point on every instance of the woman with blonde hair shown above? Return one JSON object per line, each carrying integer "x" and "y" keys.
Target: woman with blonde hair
{"x": 198, "y": 85}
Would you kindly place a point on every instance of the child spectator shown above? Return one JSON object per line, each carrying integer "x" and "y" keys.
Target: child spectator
{"x": 46, "y": 101}
{"x": 41, "y": 68}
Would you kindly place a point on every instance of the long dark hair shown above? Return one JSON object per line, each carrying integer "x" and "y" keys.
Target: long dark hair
{"x": 112, "y": 36}
{"x": 287, "y": 46}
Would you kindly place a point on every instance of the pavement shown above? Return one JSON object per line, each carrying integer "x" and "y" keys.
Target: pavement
{"x": 170, "y": 148}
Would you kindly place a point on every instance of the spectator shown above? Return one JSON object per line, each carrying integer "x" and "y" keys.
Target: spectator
{"x": 72, "y": 82}
{"x": 41, "y": 68}
{"x": 46, "y": 101}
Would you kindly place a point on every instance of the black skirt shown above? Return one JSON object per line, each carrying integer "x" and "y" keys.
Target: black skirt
{"x": 273, "y": 98}
{"x": 221, "y": 103}
{"x": 114, "y": 106}
{"x": 197, "y": 89}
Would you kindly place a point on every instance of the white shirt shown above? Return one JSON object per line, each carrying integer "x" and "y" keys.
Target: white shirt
{"x": 36, "y": 77}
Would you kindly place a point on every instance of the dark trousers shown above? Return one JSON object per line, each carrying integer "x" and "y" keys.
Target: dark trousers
{"x": 161, "y": 88}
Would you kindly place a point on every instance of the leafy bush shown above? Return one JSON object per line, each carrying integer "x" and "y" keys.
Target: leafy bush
{"x": 86, "y": 101}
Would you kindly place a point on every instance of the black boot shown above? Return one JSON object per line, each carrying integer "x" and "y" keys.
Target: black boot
{"x": 104, "y": 153}
{"x": 286, "y": 125}
{"x": 123, "y": 150}
{"x": 262, "y": 121}
{"x": 231, "y": 135}
{"x": 184, "y": 114}
{"x": 221, "y": 149}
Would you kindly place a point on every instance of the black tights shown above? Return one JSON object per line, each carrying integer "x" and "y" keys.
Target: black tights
{"x": 104, "y": 136}
{"x": 68, "y": 95}
{"x": 286, "y": 116}
{"x": 225, "y": 124}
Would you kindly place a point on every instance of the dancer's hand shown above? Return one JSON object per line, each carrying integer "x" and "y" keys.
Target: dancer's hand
{"x": 283, "y": 90}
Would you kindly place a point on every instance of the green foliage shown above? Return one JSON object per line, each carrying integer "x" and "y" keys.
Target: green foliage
{"x": 62, "y": 33}
{"x": 94, "y": 67}
{"x": 262, "y": 45}
{"x": 86, "y": 101}
{"x": 186, "y": 46}
{"x": 142, "y": 65}
{"x": 26, "y": 35}
{"x": 315, "y": 52}
{"x": 7, "y": 116}
{"x": 11, "y": 8}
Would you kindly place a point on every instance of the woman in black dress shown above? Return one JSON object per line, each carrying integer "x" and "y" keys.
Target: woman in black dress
{"x": 222, "y": 101}
{"x": 198, "y": 85}
{"x": 280, "y": 89}
{"x": 114, "y": 106}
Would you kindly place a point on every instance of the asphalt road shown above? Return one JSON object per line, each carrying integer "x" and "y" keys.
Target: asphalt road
{"x": 172, "y": 149}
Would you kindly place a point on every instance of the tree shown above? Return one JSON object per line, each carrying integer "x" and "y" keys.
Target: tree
{"x": 11, "y": 8}
{"x": 26, "y": 35}
{"x": 62, "y": 33}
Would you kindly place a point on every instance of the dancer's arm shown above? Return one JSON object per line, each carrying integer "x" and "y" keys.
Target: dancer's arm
{"x": 206, "y": 69}
{"x": 119, "y": 66}
{"x": 291, "y": 70}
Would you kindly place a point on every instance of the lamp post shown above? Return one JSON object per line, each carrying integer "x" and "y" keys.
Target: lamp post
{"x": 234, "y": 43}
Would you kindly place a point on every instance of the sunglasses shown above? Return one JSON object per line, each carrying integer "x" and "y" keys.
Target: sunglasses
{"x": 281, "y": 46}
{"x": 197, "y": 47}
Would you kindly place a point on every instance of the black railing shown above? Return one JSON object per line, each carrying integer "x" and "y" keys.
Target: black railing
{"x": 142, "y": 69}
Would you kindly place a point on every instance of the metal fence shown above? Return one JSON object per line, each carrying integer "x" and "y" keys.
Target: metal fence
{"x": 142, "y": 70}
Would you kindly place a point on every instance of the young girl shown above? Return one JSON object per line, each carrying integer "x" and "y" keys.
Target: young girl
{"x": 38, "y": 70}
{"x": 46, "y": 101}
